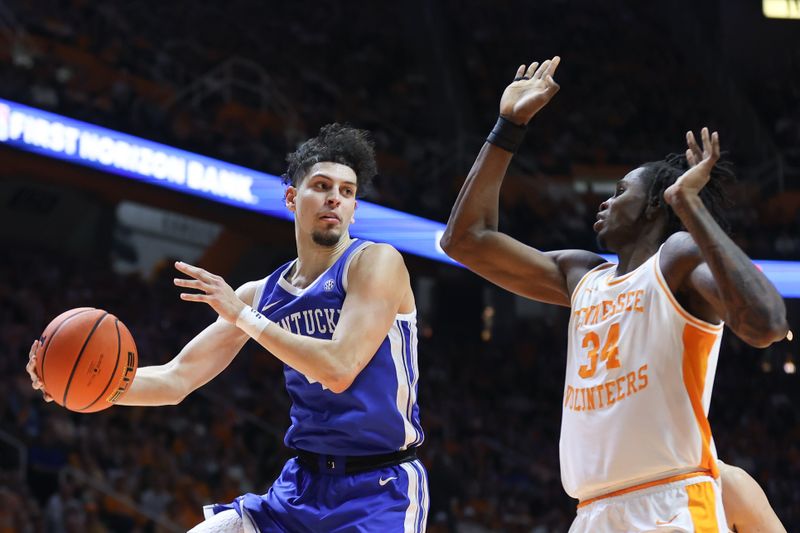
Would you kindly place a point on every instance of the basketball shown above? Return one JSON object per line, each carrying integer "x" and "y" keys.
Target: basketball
{"x": 86, "y": 360}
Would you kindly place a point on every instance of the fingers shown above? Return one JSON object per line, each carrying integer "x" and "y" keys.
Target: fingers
{"x": 710, "y": 147}
{"x": 690, "y": 157}
{"x": 697, "y": 153}
{"x": 195, "y": 272}
{"x": 210, "y": 284}
{"x": 31, "y": 366}
{"x": 189, "y": 283}
{"x": 204, "y": 281}
{"x": 551, "y": 71}
{"x": 548, "y": 68}
{"x": 715, "y": 145}
{"x": 33, "y": 350}
{"x": 536, "y": 71}
{"x": 194, "y": 297}
{"x": 706, "y": 140}
{"x": 710, "y": 144}
{"x": 36, "y": 383}
{"x": 541, "y": 70}
{"x": 693, "y": 153}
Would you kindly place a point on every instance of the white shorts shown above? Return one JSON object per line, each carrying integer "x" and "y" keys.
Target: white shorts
{"x": 689, "y": 505}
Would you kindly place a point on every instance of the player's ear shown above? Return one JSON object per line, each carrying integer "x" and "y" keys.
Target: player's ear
{"x": 655, "y": 208}
{"x": 353, "y": 218}
{"x": 290, "y": 196}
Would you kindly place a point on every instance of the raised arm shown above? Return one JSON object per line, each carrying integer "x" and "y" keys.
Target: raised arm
{"x": 472, "y": 235}
{"x": 722, "y": 274}
{"x": 200, "y": 361}
{"x": 378, "y": 289}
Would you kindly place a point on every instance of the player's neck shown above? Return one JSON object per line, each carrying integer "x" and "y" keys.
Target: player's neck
{"x": 313, "y": 259}
{"x": 633, "y": 254}
{"x": 639, "y": 247}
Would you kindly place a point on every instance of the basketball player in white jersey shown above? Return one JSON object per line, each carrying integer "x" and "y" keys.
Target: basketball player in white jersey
{"x": 636, "y": 447}
{"x": 342, "y": 318}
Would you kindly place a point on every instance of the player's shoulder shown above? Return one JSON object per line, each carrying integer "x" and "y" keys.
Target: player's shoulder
{"x": 680, "y": 244}
{"x": 378, "y": 260}
{"x": 679, "y": 255}
{"x": 379, "y": 252}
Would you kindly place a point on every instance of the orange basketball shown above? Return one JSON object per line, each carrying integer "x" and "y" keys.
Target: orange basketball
{"x": 86, "y": 360}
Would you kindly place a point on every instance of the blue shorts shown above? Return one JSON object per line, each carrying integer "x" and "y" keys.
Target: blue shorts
{"x": 390, "y": 500}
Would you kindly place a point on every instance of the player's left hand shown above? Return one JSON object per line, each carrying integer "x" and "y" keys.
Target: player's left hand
{"x": 700, "y": 162}
{"x": 215, "y": 291}
{"x": 36, "y": 383}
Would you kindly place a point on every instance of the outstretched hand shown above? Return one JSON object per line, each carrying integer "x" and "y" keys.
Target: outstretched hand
{"x": 532, "y": 88}
{"x": 36, "y": 383}
{"x": 215, "y": 291}
{"x": 701, "y": 161}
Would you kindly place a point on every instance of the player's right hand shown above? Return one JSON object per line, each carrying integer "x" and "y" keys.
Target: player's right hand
{"x": 532, "y": 88}
{"x": 701, "y": 163}
{"x": 36, "y": 383}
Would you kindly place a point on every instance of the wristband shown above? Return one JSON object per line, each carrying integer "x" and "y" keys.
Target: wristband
{"x": 507, "y": 135}
{"x": 252, "y": 322}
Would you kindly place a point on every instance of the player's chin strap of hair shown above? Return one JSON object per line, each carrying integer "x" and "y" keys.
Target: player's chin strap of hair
{"x": 507, "y": 135}
{"x": 252, "y": 322}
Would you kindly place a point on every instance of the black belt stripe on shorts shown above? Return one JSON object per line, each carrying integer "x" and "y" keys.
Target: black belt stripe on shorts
{"x": 355, "y": 464}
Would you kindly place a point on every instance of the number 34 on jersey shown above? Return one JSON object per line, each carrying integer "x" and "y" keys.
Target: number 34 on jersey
{"x": 603, "y": 395}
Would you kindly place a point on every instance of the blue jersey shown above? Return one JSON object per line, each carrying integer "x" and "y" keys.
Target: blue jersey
{"x": 378, "y": 413}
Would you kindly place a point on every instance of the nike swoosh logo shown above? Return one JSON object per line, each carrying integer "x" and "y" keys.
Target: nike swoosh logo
{"x": 269, "y": 306}
{"x": 383, "y": 482}
{"x": 663, "y": 523}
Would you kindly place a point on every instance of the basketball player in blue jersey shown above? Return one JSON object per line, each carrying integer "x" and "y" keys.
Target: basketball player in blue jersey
{"x": 342, "y": 318}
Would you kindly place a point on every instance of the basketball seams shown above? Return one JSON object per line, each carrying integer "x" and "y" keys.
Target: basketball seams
{"x": 52, "y": 336}
{"x": 113, "y": 372}
{"x": 80, "y": 355}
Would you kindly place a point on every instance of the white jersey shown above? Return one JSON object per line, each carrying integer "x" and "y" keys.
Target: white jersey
{"x": 640, "y": 370}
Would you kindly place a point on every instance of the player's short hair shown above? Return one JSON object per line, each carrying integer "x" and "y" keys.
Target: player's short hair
{"x": 336, "y": 143}
{"x": 659, "y": 175}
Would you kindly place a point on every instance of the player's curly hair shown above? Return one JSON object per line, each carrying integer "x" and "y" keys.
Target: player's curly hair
{"x": 337, "y": 143}
{"x": 661, "y": 174}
